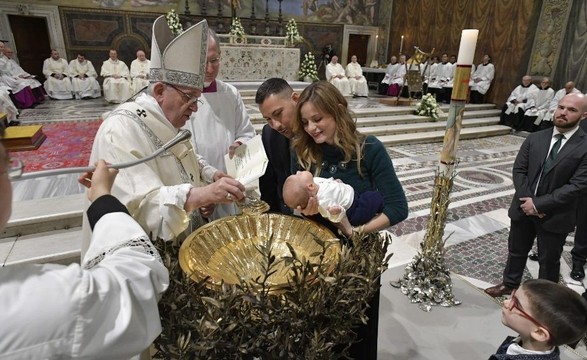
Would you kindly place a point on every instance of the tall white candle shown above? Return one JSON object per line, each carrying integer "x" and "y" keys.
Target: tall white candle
{"x": 467, "y": 47}
{"x": 401, "y": 45}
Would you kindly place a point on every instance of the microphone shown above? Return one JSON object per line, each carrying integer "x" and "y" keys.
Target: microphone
{"x": 181, "y": 136}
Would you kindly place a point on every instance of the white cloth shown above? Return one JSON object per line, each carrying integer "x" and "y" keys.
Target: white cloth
{"x": 357, "y": 81}
{"x": 333, "y": 193}
{"x": 83, "y": 79}
{"x": 484, "y": 75}
{"x": 444, "y": 73}
{"x": 54, "y": 311}
{"x": 115, "y": 90}
{"x": 389, "y": 72}
{"x": 139, "y": 72}
{"x": 7, "y": 106}
{"x": 15, "y": 84}
{"x": 554, "y": 102}
{"x": 522, "y": 95}
{"x": 221, "y": 120}
{"x": 18, "y": 72}
{"x": 342, "y": 84}
{"x": 538, "y": 104}
{"x": 57, "y": 88}
{"x": 155, "y": 192}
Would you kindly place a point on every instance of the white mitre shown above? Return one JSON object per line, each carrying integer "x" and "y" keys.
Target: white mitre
{"x": 183, "y": 59}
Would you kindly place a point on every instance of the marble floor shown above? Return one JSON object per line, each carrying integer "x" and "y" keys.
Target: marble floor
{"x": 477, "y": 223}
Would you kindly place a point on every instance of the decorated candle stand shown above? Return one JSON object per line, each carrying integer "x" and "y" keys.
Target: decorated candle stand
{"x": 426, "y": 279}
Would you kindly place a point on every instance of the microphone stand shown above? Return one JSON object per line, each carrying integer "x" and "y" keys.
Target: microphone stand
{"x": 180, "y": 137}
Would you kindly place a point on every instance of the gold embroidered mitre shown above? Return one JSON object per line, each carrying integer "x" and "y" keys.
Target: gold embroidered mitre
{"x": 179, "y": 60}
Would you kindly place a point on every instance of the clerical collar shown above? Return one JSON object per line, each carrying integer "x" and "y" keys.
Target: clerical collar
{"x": 525, "y": 86}
{"x": 211, "y": 88}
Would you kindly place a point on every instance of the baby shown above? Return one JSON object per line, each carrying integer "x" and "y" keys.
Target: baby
{"x": 545, "y": 315}
{"x": 335, "y": 199}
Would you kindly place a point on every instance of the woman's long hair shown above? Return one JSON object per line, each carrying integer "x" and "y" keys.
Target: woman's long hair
{"x": 327, "y": 99}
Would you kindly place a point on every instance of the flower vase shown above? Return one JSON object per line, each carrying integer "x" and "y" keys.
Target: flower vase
{"x": 308, "y": 79}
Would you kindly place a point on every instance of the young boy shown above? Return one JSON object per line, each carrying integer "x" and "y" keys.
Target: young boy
{"x": 545, "y": 315}
{"x": 335, "y": 199}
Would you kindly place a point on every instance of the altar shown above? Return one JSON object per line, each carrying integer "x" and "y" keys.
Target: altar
{"x": 258, "y": 59}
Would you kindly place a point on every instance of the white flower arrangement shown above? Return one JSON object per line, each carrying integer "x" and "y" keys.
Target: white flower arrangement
{"x": 292, "y": 36}
{"x": 308, "y": 67}
{"x": 236, "y": 29}
{"x": 173, "y": 22}
{"x": 428, "y": 107}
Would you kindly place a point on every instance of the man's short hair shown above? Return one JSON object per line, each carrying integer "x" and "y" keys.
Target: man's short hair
{"x": 213, "y": 35}
{"x": 270, "y": 87}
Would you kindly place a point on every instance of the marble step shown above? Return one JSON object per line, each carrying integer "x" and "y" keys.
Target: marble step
{"x": 57, "y": 246}
{"x": 43, "y": 215}
{"x": 376, "y": 126}
{"x": 397, "y": 111}
{"x": 438, "y": 136}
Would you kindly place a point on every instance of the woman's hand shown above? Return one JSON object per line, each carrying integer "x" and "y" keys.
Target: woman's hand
{"x": 311, "y": 208}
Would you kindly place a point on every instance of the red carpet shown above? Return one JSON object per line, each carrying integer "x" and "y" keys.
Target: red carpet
{"x": 67, "y": 145}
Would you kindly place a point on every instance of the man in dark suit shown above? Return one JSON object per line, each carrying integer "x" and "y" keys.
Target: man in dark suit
{"x": 579, "y": 251}
{"x": 549, "y": 175}
{"x": 277, "y": 102}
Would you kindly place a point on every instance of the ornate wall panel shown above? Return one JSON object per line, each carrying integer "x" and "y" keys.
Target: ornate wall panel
{"x": 506, "y": 32}
{"x": 573, "y": 47}
{"x": 94, "y": 32}
{"x": 246, "y": 62}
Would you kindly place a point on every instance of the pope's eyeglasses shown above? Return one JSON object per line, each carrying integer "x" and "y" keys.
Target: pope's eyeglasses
{"x": 188, "y": 98}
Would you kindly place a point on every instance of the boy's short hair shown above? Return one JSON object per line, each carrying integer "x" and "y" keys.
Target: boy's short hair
{"x": 272, "y": 86}
{"x": 562, "y": 310}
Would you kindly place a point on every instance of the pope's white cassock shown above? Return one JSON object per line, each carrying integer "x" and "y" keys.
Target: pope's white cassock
{"x": 554, "y": 102}
{"x": 91, "y": 311}
{"x": 221, "y": 119}
{"x": 357, "y": 81}
{"x": 538, "y": 104}
{"x": 342, "y": 84}
{"x": 139, "y": 72}
{"x": 83, "y": 79}
{"x": 57, "y": 88}
{"x": 484, "y": 73}
{"x": 155, "y": 192}
{"x": 116, "y": 90}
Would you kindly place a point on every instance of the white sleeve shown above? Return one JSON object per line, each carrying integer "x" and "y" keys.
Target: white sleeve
{"x": 106, "y": 312}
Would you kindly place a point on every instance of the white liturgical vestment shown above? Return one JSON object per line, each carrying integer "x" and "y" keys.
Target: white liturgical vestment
{"x": 91, "y": 311}
{"x": 342, "y": 84}
{"x": 221, "y": 120}
{"x": 484, "y": 75}
{"x": 139, "y": 72}
{"x": 57, "y": 88}
{"x": 357, "y": 81}
{"x": 155, "y": 191}
{"x": 6, "y": 104}
{"x": 19, "y": 72}
{"x": 538, "y": 104}
{"x": 116, "y": 90}
{"x": 83, "y": 79}
{"x": 333, "y": 193}
{"x": 521, "y": 94}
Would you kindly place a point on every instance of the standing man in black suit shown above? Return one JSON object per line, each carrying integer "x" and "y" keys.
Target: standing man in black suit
{"x": 277, "y": 102}
{"x": 549, "y": 175}
{"x": 579, "y": 251}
